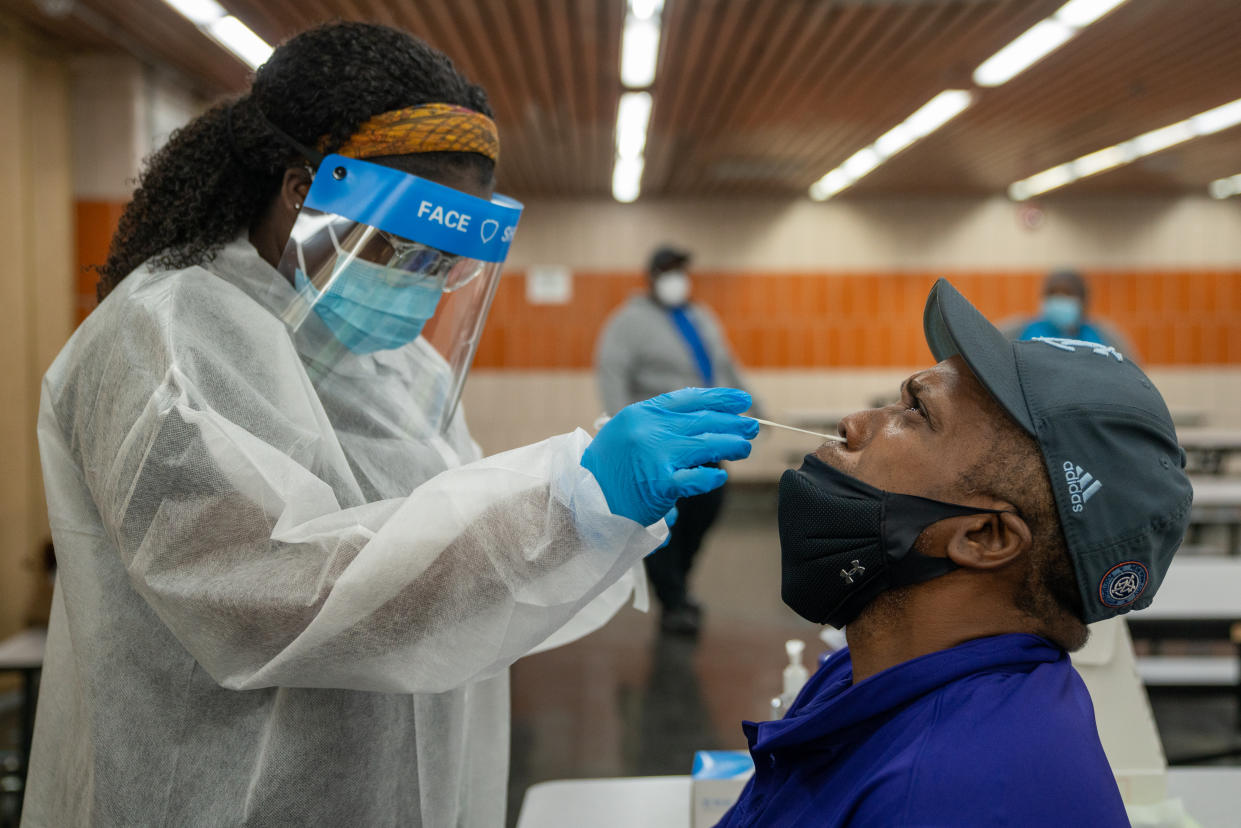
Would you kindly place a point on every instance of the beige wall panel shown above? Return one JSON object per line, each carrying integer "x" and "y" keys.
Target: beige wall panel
{"x": 15, "y": 440}
{"x": 884, "y": 234}
{"x": 169, "y": 107}
{"x": 51, "y": 286}
{"x": 108, "y": 115}
{"x": 36, "y": 235}
{"x": 506, "y": 409}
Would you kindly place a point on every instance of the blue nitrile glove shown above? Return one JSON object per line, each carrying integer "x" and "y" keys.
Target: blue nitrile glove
{"x": 651, "y": 453}
{"x": 671, "y": 520}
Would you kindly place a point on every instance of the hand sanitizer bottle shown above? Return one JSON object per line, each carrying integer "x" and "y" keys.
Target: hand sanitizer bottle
{"x": 795, "y": 674}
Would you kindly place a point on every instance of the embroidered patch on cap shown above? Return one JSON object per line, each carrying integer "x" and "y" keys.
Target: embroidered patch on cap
{"x": 1123, "y": 584}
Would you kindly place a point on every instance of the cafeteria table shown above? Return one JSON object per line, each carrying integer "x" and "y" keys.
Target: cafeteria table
{"x": 1199, "y": 599}
{"x": 1209, "y": 449}
{"x": 1217, "y": 502}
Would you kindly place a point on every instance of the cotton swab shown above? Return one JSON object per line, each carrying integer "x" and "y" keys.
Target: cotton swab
{"x": 833, "y": 437}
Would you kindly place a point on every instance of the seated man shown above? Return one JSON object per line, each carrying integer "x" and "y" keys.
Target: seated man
{"x": 966, "y": 535}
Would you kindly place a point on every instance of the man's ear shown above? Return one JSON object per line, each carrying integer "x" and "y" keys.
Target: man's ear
{"x": 988, "y": 541}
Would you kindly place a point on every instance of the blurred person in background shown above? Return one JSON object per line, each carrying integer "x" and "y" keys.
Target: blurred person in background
{"x": 658, "y": 342}
{"x": 1063, "y": 315}
{"x": 290, "y": 586}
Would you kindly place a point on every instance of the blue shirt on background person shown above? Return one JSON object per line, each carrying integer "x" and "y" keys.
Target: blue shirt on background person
{"x": 1062, "y": 315}
{"x": 995, "y": 731}
{"x": 1084, "y": 332}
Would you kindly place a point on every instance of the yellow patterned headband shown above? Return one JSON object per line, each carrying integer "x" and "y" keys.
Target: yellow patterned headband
{"x": 436, "y": 127}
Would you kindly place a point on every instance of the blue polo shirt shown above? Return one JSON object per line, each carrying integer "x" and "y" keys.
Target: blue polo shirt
{"x": 996, "y": 731}
{"x": 1085, "y": 332}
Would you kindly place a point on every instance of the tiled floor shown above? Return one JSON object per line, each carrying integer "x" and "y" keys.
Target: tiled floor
{"x": 626, "y": 701}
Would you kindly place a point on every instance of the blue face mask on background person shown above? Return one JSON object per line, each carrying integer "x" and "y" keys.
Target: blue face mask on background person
{"x": 1065, "y": 312}
{"x": 369, "y": 307}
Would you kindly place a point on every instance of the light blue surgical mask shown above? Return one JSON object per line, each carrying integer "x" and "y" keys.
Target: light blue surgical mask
{"x": 369, "y": 307}
{"x": 1065, "y": 312}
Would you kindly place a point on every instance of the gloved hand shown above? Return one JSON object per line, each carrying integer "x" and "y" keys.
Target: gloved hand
{"x": 651, "y": 453}
{"x": 671, "y": 520}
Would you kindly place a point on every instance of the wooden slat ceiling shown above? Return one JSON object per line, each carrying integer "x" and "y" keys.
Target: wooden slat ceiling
{"x": 761, "y": 97}
{"x": 149, "y": 29}
{"x": 1149, "y": 64}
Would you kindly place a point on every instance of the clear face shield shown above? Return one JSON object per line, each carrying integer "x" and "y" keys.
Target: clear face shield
{"x": 395, "y": 270}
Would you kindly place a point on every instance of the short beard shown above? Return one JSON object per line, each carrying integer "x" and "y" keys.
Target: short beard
{"x": 1049, "y": 595}
{"x": 1012, "y": 469}
{"x": 884, "y": 612}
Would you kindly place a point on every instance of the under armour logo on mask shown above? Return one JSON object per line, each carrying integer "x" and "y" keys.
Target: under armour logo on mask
{"x": 857, "y": 569}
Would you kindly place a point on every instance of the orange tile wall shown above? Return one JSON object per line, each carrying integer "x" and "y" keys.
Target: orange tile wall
{"x": 826, "y": 320}
{"x": 96, "y": 223}
{"x": 818, "y": 320}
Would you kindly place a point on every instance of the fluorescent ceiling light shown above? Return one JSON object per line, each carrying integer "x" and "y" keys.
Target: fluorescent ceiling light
{"x": 1219, "y": 118}
{"x": 198, "y": 12}
{"x": 1038, "y": 42}
{"x": 1225, "y": 187}
{"x": 860, "y": 163}
{"x": 639, "y": 51}
{"x": 213, "y": 20}
{"x": 1148, "y": 143}
{"x": 1081, "y": 13}
{"x": 1162, "y": 138}
{"x": 639, "y": 57}
{"x": 1019, "y": 191}
{"x": 895, "y": 140}
{"x": 929, "y": 117}
{"x": 1104, "y": 159}
{"x": 1050, "y": 179}
{"x": 938, "y": 111}
{"x": 632, "y": 117}
{"x": 238, "y": 38}
{"x": 829, "y": 185}
{"x": 646, "y": 9}
{"x": 627, "y": 179}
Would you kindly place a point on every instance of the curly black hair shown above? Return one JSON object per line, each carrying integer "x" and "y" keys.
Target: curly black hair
{"x": 218, "y": 174}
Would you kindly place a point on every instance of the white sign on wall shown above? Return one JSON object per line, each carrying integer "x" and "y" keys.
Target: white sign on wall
{"x": 549, "y": 285}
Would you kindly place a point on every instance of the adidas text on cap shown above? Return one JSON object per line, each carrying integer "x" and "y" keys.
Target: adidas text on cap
{"x": 1116, "y": 469}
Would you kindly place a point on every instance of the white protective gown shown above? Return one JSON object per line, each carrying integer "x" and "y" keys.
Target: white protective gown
{"x": 282, "y": 602}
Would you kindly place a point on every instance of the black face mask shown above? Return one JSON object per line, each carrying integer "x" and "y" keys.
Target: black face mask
{"x": 842, "y": 541}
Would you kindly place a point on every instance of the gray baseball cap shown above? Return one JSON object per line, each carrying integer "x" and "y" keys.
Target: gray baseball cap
{"x": 1116, "y": 468}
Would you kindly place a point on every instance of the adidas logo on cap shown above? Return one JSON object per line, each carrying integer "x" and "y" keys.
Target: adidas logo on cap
{"x": 1082, "y": 485}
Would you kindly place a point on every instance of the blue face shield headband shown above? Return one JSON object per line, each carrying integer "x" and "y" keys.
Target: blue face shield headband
{"x": 367, "y": 232}
{"x": 380, "y": 258}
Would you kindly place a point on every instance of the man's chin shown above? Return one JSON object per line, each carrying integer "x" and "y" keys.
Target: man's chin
{"x": 886, "y": 610}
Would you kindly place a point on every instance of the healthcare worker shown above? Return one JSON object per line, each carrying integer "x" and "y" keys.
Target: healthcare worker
{"x": 290, "y": 587}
